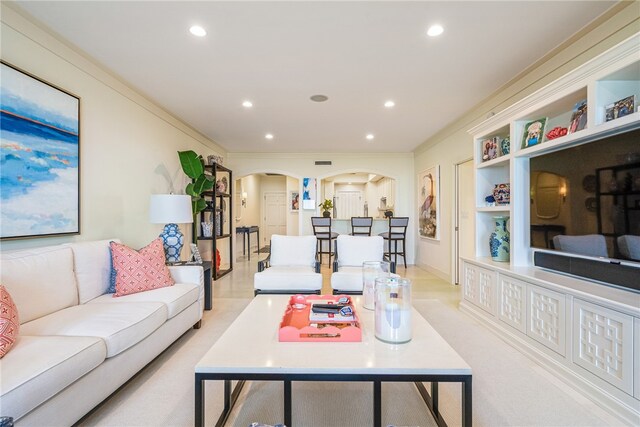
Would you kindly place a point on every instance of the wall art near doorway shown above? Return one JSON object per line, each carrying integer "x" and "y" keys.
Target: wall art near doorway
{"x": 429, "y": 203}
{"x": 309, "y": 191}
{"x": 40, "y": 132}
{"x": 294, "y": 201}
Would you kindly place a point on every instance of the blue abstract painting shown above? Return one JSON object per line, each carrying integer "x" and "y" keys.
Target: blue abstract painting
{"x": 39, "y": 157}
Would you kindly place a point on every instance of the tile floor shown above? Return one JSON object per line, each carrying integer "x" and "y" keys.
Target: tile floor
{"x": 239, "y": 283}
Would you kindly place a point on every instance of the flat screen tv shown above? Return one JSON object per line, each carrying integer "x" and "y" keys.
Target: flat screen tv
{"x": 585, "y": 200}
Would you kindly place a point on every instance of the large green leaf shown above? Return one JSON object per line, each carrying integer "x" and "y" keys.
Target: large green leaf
{"x": 189, "y": 189}
{"x": 191, "y": 163}
{"x": 201, "y": 183}
{"x": 199, "y": 205}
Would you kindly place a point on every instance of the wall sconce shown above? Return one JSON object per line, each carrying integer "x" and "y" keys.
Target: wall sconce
{"x": 563, "y": 192}
{"x": 244, "y": 199}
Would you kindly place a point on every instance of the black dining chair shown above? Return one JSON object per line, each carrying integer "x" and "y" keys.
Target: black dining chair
{"x": 397, "y": 234}
{"x": 322, "y": 230}
{"x": 361, "y": 225}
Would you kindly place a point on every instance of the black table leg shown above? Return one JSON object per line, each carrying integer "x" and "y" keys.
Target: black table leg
{"x": 377, "y": 404}
{"x": 199, "y": 404}
{"x": 287, "y": 403}
{"x": 243, "y": 245}
{"x": 466, "y": 403}
{"x": 248, "y": 245}
{"x": 434, "y": 397}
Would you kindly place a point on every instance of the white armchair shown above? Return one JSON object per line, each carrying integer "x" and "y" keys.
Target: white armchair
{"x": 290, "y": 268}
{"x": 351, "y": 252}
{"x": 629, "y": 246}
{"x": 589, "y": 244}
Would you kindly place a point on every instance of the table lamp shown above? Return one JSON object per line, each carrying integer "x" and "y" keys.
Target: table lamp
{"x": 171, "y": 209}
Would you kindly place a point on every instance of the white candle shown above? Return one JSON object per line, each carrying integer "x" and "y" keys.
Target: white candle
{"x": 393, "y": 323}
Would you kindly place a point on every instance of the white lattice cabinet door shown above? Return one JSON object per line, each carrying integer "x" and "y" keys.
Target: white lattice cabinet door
{"x": 603, "y": 343}
{"x": 546, "y": 318}
{"x": 480, "y": 287}
{"x": 512, "y": 302}
{"x": 469, "y": 282}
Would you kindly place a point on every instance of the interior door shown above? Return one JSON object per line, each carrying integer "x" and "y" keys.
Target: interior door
{"x": 349, "y": 204}
{"x": 275, "y": 220}
{"x": 465, "y": 208}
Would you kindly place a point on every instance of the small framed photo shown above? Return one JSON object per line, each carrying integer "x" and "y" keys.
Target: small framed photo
{"x": 294, "y": 201}
{"x": 620, "y": 108}
{"x": 490, "y": 148}
{"x": 533, "y": 132}
{"x": 578, "y": 117}
{"x": 195, "y": 253}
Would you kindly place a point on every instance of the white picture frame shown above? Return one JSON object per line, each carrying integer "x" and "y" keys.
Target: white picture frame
{"x": 195, "y": 253}
{"x": 429, "y": 203}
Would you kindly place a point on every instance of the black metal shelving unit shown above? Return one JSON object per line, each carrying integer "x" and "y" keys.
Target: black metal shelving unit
{"x": 220, "y": 211}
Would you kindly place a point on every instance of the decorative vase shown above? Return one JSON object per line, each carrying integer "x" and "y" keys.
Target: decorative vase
{"x": 499, "y": 240}
{"x": 502, "y": 193}
{"x": 172, "y": 240}
{"x": 505, "y": 146}
{"x": 326, "y": 214}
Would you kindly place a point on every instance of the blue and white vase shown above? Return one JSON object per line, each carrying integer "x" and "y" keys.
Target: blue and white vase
{"x": 499, "y": 240}
{"x": 172, "y": 240}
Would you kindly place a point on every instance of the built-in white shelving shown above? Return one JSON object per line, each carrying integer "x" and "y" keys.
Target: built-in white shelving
{"x": 557, "y": 320}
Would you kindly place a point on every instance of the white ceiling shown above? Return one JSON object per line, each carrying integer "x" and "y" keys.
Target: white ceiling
{"x": 278, "y": 54}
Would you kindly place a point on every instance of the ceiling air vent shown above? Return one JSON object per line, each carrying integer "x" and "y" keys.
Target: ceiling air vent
{"x": 323, "y": 162}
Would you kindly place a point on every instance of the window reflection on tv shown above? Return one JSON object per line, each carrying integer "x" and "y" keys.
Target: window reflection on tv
{"x": 586, "y": 199}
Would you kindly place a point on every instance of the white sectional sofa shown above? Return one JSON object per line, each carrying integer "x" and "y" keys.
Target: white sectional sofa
{"x": 77, "y": 344}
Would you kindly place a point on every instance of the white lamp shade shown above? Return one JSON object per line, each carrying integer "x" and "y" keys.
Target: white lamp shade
{"x": 170, "y": 209}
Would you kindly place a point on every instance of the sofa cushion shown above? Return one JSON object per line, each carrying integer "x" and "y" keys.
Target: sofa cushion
{"x": 288, "y": 278}
{"x": 119, "y": 325}
{"x": 139, "y": 271}
{"x": 41, "y": 281}
{"x": 176, "y": 297}
{"x": 354, "y": 250}
{"x": 292, "y": 250}
{"x": 9, "y": 323}
{"x": 92, "y": 264}
{"x": 40, "y": 367}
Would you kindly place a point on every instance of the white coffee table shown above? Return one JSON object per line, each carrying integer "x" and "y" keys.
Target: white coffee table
{"x": 249, "y": 350}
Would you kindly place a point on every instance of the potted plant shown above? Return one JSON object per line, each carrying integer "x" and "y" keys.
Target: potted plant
{"x": 193, "y": 166}
{"x": 326, "y": 206}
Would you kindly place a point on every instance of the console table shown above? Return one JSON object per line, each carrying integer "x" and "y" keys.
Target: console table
{"x": 246, "y": 231}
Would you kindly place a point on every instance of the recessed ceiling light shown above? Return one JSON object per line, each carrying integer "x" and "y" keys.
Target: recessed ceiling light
{"x": 389, "y": 104}
{"x": 198, "y": 31}
{"x": 435, "y": 30}
{"x": 247, "y": 104}
{"x": 370, "y": 136}
{"x": 319, "y": 98}
{"x": 269, "y": 136}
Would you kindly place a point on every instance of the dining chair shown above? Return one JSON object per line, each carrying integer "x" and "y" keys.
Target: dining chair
{"x": 326, "y": 238}
{"x": 397, "y": 234}
{"x": 361, "y": 225}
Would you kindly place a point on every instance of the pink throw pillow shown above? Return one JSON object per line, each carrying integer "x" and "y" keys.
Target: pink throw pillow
{"x": 139, "y": 271}
{"x": 9, "y": 324}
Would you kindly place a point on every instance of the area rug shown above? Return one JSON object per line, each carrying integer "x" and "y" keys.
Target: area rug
{"x": 508, "y": 388}
{"x": 265, "y": 250}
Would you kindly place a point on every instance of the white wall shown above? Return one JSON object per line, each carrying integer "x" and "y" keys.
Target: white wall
{"x": 128, "y": 145}
{"x": 453, "y": 144}
{"x": 398, "y": 166}
{"x": 293, "y": 184}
